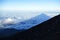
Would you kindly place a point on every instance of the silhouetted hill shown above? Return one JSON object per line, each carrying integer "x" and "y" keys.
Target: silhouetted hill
{"x": 48, "y": 30}
{"x": 8, "y": 32}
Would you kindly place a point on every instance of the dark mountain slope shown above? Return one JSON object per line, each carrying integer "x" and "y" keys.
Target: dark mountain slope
{"x": 8, "y": 32}
{"x": 48, "y": 30}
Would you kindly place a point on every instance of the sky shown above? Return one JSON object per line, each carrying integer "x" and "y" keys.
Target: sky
{"x": 30, "y": 5}
{"x": 10, "y": 6}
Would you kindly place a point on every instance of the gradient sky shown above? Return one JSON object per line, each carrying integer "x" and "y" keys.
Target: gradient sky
{"x": 14, "y": 7}
{"x": 30, "y": 5}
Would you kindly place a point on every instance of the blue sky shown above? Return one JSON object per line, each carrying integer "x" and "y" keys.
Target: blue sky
{"x": 30, "y": 5}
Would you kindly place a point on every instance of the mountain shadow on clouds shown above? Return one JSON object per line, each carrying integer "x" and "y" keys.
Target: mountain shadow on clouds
{"x": 27, "y": 24}
{"x": 48, "y": 30}
{"x": 21, "y": 26}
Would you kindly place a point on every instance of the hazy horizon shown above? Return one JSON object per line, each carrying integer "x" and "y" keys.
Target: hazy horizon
{"x": 29, "y": 8}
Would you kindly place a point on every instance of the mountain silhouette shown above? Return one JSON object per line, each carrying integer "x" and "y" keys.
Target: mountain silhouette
{"x": 48, "y": 30}
{"x": 8, "y": 32}
{"x": 31, "y": 22}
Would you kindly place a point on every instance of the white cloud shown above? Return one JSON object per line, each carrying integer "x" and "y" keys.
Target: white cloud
{"x": 52, "y": 15}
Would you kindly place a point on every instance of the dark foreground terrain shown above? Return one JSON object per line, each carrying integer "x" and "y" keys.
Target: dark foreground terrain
{"x": 48, "y": 30}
